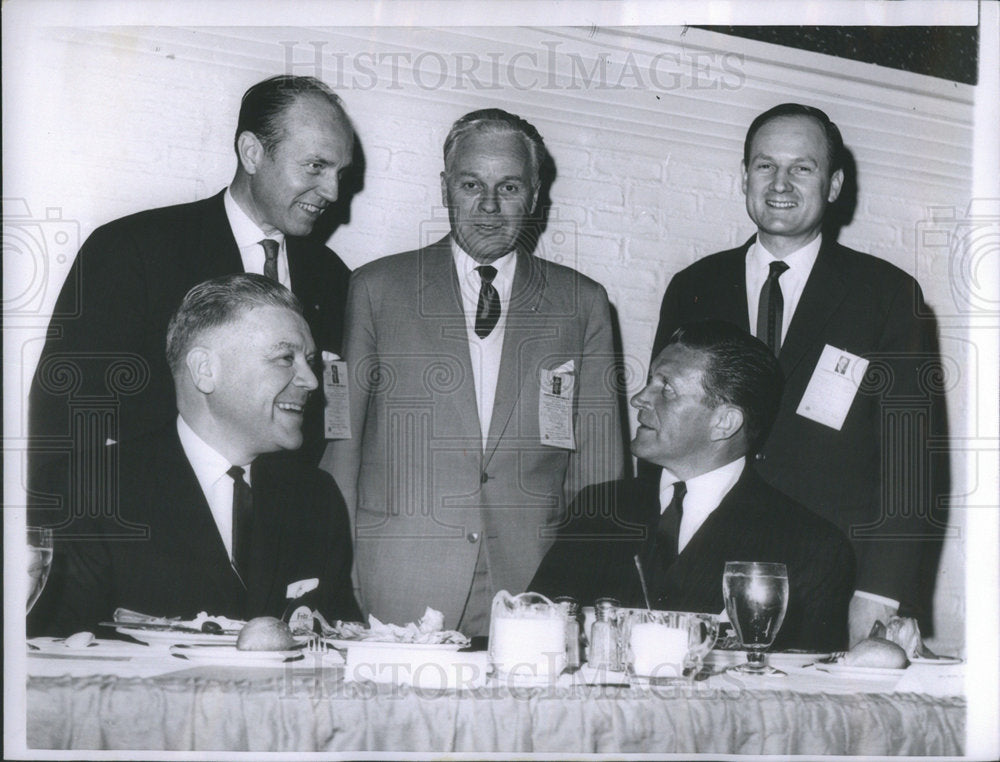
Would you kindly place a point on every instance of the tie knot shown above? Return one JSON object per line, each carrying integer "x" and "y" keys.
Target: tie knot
{"x": 487, "y": 273}
{"x": 776, "y": 268}
{"x": 270, "y": 248}
{"x": 236, "y": 473}
{"x": 680, "y": 490}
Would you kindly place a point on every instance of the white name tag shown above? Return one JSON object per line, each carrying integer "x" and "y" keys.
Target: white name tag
{"x": 555, "y": 406}
{"x": 337, "y": 412}
{"x": 832, "y": 388}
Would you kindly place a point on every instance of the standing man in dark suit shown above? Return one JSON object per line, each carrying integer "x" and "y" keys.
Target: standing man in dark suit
{"x": 713, "y": 392}
{"x": 482, "y": 393}
{"x": 102, "y": 376}
{"x": 850, "y": 445}
{"x": 218, "y": 528}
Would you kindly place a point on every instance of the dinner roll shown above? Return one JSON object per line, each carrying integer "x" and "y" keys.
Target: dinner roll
{"x": 265, "y": 633}
{"x": 876, "y": 652}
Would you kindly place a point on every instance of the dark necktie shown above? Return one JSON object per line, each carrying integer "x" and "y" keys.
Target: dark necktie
{"x": 242, "y": 521}
{"x": 488, "y": 310}
{"x": 270, "y": 259}
{"x": 770, "y": 308}
{"x": 663, "y": 542}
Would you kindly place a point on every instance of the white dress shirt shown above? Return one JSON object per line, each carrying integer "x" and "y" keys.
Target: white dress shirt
{"x": 210, "y": 469}
{"x": 485, "y": 354}
{"x": 792, "y": 281}
{"x": 248, "y": 237}
{"x": 704, "y": 494}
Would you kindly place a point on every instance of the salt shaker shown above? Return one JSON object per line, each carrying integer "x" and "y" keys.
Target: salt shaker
{"x": 571, "y": 610}
{"x": 604, "y": 636}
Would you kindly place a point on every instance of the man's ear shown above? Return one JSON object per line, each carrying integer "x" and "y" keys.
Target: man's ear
{"x": 726, "y": 423}
{"x": 743, "y": 182}
{"x": 202, "y": 369}
{"x": 444, "y": 190}
{"x": 836, "y": 183}
{"x": 250, "y": 151}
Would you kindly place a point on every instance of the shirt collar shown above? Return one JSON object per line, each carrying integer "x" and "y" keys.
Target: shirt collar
{"x": 466, "y": 267}
{"x": 800, "y": 261}
{"x": 208, "y": 464}
{"x": 706, "y": 489}
{"x": 245, "y": 230}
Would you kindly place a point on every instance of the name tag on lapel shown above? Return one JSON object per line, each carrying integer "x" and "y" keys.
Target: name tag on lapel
{"x": 337, "y": 409}
{"x": 555, "y": 406}
{"x": 833, "y": 387}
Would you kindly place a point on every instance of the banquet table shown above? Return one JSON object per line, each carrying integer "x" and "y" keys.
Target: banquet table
{"x": 153, "y": 701}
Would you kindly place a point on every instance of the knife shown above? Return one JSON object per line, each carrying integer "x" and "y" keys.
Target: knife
{"x": 156, "y": 627}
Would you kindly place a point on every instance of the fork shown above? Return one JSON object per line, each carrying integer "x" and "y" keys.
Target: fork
{"x": 316, "y": 645}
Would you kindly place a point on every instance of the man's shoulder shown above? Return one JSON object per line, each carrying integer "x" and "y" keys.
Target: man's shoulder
{"x": 288, "y": 466}
{"x": 403, "y": 264}
{"x": 562, "y": 276}
{"x": 710, "y": 265}
{"x": 609, "y": 506}
{"x": 866, "y": 267}
{"x": 167, "y": 216}
{"x": 767, "y": 503}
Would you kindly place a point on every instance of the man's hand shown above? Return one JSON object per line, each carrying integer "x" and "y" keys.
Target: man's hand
{"x": 861, "y": 615}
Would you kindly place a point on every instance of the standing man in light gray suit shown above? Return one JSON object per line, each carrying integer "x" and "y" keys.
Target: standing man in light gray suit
{"x": 482, "y": 393}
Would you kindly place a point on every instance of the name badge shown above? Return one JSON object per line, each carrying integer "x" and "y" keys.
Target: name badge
{"x": 555, "y": 406}
{"x": 337, "y": 410}
{"x": 832, "y": 388}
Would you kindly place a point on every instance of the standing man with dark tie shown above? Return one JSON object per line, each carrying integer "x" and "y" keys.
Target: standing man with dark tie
{"x": 219, "y": 527}
{"x": 465, "y": 448}
{"x": 102, "y": 377}
{"x": 852, "y": 448}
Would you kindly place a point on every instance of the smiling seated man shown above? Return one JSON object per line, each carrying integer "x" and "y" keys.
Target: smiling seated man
{"x": 218, "y": 525}
{"x": 712, "y": 394}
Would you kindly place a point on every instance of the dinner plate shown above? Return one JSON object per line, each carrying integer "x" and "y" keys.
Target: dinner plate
{"x": 391, "y": 645}
{"x": 864, "y": 673}
{"x": 939, "y": 660}
{"x": 227, "y": 654}
{"x": 172, "y": 637}
{"x": 777, "y": 659}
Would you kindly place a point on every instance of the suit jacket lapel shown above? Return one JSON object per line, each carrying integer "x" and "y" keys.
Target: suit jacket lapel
{"x": 268, "y": 535}
{"x": 824, "y": 291}
{"x": 184, "y": 522}
{"x": 726, "y": 293}
{"x": 441, "y": 299}
{"x": 526, "y": 303}
{"x": 217, "y": 253}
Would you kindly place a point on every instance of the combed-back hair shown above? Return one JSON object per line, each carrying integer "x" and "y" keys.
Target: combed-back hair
{"x": 740, "y": 370}
{"x": 834, "y": 141}
{"x": 264, "y": 105}
{"x": 219, "y": 302}
{"x": 498, "y": 121}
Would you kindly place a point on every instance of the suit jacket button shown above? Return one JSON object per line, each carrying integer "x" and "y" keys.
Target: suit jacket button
{"x": 484, "y": 477}
{"x": 760, "y": 456}
{"x": 472, "y": 537}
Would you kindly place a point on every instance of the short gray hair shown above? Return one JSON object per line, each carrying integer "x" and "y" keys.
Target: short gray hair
{"x": 219, "y": 302}
{"x": 498, "y": 121}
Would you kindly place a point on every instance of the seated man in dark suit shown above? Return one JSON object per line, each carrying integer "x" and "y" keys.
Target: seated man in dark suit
{"x": 712, "y": 394}
{"x": 214, "y": 527}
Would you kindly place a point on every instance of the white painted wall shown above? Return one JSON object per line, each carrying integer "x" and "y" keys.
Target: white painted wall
{"x": 645, "y": 126}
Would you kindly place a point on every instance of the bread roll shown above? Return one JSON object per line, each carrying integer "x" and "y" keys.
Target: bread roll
{"x": 265, "y": 633}
{"x": 876, "y": 652}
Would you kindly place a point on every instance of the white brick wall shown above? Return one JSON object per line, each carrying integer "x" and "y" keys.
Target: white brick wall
{"x": 110, "y": 122}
